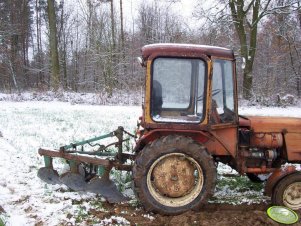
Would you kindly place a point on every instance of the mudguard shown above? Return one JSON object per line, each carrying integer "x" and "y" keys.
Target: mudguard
{"x": 276, "y": 176}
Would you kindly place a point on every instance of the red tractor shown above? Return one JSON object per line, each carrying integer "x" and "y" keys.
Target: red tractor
{"x": 190, "y": 123}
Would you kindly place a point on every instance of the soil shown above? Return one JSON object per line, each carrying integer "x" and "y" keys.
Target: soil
{"x": 210, "y": 215}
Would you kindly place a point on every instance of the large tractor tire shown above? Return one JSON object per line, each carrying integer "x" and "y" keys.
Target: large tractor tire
{"x": 287, "y": 192}
{"x": 174, "y": 174}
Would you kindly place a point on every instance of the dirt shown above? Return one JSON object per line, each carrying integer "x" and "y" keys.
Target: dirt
{"x": 2, "y": 210}
{"x": 210, "y": 215}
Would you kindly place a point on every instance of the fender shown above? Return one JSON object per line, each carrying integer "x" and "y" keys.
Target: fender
{"x": 201, "y": 137}
{"x": 276, "y": 176}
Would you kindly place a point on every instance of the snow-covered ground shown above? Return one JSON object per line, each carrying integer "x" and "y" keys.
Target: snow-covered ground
{"x": 25, "y": 126}
{"x": 118, "y": 97}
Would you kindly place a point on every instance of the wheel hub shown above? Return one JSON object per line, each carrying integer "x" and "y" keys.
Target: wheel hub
{"x": 292, "y": 196}
{"x": 175, "y": 179}
{"x": 174, "y": 176}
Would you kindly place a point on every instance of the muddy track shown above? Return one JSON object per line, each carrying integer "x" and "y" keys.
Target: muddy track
{"x": 210, "y": 215}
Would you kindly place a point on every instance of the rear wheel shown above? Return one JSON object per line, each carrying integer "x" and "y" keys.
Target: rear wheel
{"x": 287, "y": 191}
{"x": 174, "y": 174}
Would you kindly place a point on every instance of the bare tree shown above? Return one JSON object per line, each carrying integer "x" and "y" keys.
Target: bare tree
{"x": 158, "y": 24}
{"x": 245, "y": 17}
{"x": 15, "y": 21}
{"x": 55, "y": 66}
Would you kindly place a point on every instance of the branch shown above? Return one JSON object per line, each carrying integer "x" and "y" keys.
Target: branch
{"x": 249, "y": 7}
{"x": 277, "y": 9}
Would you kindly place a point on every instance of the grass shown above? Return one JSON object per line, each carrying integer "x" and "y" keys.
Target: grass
{"x": 81, "y": 215}
{"x": 239, "y": 184}
{"x": 2, "y": 221}
{"x": 236, "y": 190}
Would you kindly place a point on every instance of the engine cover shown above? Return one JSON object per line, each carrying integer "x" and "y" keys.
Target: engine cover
{"x": 266, "y": 140}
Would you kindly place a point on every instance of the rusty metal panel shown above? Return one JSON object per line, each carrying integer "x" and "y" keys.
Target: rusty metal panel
{"x": 225, "y": 143}
{"x": 186, "y": 49}
{"x": 75, "y": 157}
{"x": 267, "y": 140}
{"x": 293, "y": 146}
{"x": 276, "y": 176}
{"x": 275, "y": 124}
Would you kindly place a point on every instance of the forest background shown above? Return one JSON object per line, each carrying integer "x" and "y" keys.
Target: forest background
{"x": 91, "y": 46}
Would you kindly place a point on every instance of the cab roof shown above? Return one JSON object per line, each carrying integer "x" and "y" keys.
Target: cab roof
{"x": 166, "y": 48}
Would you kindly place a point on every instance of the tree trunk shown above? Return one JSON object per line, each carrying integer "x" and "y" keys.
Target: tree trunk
{"x": 64, "y": 48}
{"x": 247, "y": 83}
{"x": 121, "y": 26}
{"x": 55, "y": 66}
{"x": 247, "y": 38}
{"x": 299, "y": 13}
{"x": 39, "y": 81}
{"x": 113, "y": 25}
{"x": 123, "y": 66}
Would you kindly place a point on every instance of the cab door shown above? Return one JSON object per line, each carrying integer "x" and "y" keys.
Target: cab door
{"x": 223, "y": 113}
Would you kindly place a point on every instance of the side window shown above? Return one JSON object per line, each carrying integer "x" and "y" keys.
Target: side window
{"x": 222, "y": 92}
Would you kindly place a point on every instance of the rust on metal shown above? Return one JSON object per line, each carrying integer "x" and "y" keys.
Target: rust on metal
{"x": 149, "y": 136}
{"x": 291, "y": 127}
{"x": 293, "y": 146}
{"x": 75, "y": 157}
{"x": 226, "y": 141}
{"x": 89, "y": 159}
{"x": 183, "y": 49}
{"x": 267, "y": 140}
{"x": 261, "y": 170}
{"x": 244, "y": 122}
{"x": 276, "y": 176}
{"x": 122, "y": 167}
{"x": 174, "y": 176}
{"x": 261, "y": 124}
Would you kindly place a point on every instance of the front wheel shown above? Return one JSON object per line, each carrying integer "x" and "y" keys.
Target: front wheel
{"x": 287, "y": 191}
{"x": 174, "y": 174}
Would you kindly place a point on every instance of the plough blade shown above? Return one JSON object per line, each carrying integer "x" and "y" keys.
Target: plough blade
{"x": 97, "y": 165}
{"x": 49, "y": 175}
{"x": 106, "y": 188}
{"x": 74, "y": 181}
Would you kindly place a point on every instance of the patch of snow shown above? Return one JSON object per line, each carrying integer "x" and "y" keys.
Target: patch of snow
{"x": 101, "y": 98}
{"x": 148, "y": 216}
{"x": 225, "y": 169}
{"x": 270, "y": 111}
{"x": 114, "y": 220}
{"x": 190, "y": 46}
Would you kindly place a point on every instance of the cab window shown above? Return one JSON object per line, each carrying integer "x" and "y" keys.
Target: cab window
{"x": 222, "y": 92}
{"x": 177, "y": 93}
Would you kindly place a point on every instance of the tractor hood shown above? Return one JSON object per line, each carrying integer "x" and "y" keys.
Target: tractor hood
{"x": 271, "y": 124}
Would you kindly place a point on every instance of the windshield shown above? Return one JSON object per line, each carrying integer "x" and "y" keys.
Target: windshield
{"x": 177, "y": 90}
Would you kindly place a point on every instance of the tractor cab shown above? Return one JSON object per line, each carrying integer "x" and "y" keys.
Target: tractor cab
{"x": 186, "y": 85}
